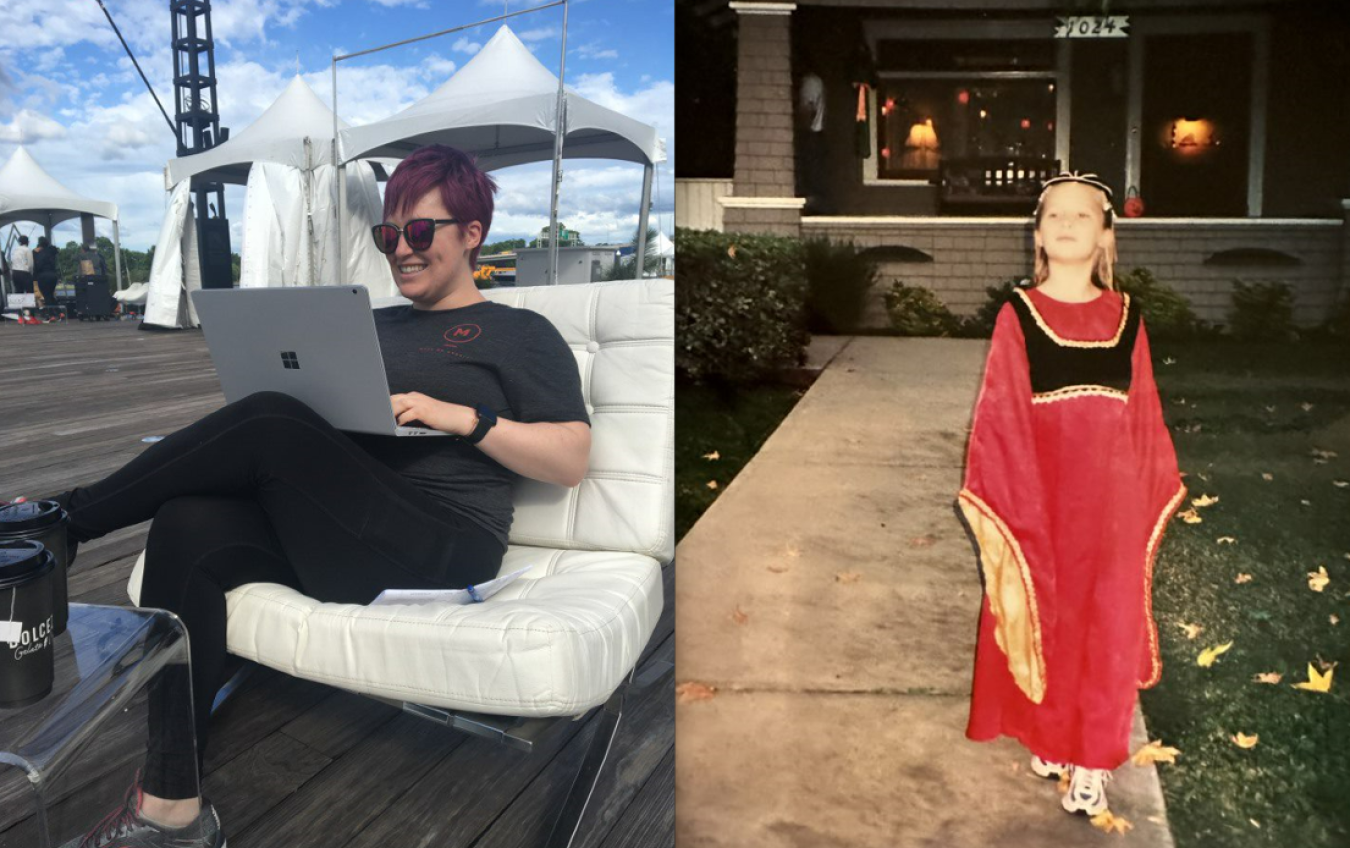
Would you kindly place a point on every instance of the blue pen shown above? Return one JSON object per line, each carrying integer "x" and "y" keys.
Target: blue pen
{"x": 473, "y": 593}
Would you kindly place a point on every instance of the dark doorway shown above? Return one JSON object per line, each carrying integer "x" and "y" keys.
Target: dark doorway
{"x": 1196, "y": 125}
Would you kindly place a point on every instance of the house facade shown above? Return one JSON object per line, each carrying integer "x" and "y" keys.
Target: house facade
{"x": 1225, "y": 125}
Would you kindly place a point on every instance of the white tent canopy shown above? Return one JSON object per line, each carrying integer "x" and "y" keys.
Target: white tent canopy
{"x": 296, "y": 130}
{"x": 663, "y": 246}
{"x": 289, "y": 238}
{"x": 502, "y": 106}
{"x": 29, "y": 193}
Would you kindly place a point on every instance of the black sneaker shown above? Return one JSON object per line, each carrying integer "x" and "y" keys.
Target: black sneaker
{"x": 124, "y": 828}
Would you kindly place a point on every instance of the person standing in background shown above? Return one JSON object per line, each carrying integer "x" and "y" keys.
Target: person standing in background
{"x": 21, "y": 265}
{"x": 44, "y": 269}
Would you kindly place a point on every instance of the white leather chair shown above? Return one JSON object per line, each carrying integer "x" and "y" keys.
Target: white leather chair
{"x": 563, "y": 638}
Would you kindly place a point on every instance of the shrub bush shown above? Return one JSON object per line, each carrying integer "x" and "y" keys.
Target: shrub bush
{"x": 1262, "y": 311}
{"x": 916, "y": 311}
{"x": 981, "y": 324}
{"x": 738, "y": 310}
{"x": 838, "y": 279}
{"x": 1167, "y": 314}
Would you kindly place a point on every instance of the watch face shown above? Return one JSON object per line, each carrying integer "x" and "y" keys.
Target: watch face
{"x": 486, "y": 414}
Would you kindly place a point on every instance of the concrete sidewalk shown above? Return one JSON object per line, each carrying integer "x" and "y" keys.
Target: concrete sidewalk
{"x": 831, "y": 596}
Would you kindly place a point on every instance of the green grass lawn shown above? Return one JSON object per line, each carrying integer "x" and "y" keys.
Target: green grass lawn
{"x": 731, "y": 424}
{"x": 1238, "y": 412}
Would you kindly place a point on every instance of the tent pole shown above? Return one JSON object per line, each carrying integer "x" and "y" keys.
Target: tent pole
{"x": 117, "y": 255}
{"x": 642, "y": 219}
{"x": 338, "y": 179}
{"x": 559, "y": 132}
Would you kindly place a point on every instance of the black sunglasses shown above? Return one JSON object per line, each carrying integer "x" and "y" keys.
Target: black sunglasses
{"x": 419, "y": 232}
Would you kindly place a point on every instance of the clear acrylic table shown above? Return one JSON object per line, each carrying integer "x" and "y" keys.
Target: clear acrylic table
{"x": 67, "y": 760}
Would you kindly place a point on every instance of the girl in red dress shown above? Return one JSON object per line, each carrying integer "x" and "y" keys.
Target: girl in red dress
{"x": 1071, "y": 479}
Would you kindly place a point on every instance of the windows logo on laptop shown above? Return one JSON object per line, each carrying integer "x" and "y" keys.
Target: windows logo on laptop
{"x": 289, "y": 360}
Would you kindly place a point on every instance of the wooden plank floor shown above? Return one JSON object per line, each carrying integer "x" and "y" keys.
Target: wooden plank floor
{"x": 293, "y": 763}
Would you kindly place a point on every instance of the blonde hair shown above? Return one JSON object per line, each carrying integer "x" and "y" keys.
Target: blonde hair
{"x": 1104, "y": 271}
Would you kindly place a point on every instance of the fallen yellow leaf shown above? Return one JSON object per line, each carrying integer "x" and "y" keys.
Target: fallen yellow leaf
{"x": 1317, "y": 682}
{"x": 1154, "y": 752}
{"x": 1190, "y": 516}
{"x": 691, "y": 691}
{"x": 1242, "y": 740}
{"x": 1205, "y": 500}
{"x": 1268, "y": 677}
{"x": 1318, "y": 580}
{"x": 1255, "y": 823}
{"x": 712, "y": 484}
{"x": 1270, "y": 409}
{"x": 1225, "y": 540}
{"x": 1243, "y": 578}
{"x": 712, "y": 456}
{"x": 1324, "y": 454}
{"x": 1334, "y": 619}
{"x": 1267, "y": 477}
{"x": 731, "y": 251}
{"x": 847, "y": 577}
{"x": 1191, "y": 630}
{"x": 1340, "y": 484}
{"x": 1209, "y": 655}
{"x": 738, "y": 615}
{"x": 1169, "y": 361}
{"x": 1107, "y": 822}
{"x": 1305, "y": 502}
{"x": 1307, "y": 407}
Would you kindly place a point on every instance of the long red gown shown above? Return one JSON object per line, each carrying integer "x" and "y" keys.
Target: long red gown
{"x": 1071, "y": 479}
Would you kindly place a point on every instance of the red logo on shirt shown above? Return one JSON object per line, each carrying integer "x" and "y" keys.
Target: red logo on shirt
{"x": 461, "y": 333}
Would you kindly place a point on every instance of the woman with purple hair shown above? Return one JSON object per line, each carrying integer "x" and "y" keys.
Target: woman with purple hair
{"x": 264, "y": 490}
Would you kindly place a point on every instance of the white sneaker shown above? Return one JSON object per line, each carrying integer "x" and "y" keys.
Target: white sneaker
{"x": 1045, "y": 768}
{"x": 1087, "y": 791}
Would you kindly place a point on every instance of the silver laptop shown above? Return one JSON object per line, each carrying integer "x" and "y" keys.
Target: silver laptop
{"x": 316, "y": 344}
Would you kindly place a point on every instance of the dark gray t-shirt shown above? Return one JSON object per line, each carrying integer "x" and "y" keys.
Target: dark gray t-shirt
{"x": 511, "y": 360}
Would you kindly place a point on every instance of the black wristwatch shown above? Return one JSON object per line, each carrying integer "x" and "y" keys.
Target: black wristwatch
{"x": 487, "y": 419}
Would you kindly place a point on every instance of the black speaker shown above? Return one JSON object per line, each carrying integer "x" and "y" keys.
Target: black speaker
{"x": 215, "y": 253}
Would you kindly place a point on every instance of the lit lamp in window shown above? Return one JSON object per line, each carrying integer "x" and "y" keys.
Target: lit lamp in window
{"x": 1192, "y": 135}
{"x": 921, "y": 148}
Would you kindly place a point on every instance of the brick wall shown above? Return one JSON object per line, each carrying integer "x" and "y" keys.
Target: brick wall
{"x": 764, "y": 145}
{"x": 762, "y": 221}
{"x": 970, "y": 255}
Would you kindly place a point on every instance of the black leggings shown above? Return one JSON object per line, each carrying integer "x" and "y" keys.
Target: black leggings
{"x": 264, "y": 490}
{"x": 47, "y": 284}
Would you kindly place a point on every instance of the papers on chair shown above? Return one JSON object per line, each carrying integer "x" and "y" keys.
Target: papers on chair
{"x": 469, "y": 595}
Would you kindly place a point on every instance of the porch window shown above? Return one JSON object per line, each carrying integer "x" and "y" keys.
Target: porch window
{"x": 922, "y": 123}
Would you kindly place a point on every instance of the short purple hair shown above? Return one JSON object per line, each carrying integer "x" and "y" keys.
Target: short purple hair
{"x": 466, "y": 191}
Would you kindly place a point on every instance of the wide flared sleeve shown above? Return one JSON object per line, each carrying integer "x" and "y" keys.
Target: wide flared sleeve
{"x": 1003, "y": 502}
{"x": 1161, "y": 489}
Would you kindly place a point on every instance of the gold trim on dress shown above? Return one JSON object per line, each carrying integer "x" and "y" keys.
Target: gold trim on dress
{"x": 1063, "y": 342}
{"x": 1151, "y": 553}
{"x": 1069, "y": 392}
{"x": 1017, "y": 627}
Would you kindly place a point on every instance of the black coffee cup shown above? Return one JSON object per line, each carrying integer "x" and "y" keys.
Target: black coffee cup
{"x": 27, "y": 622}
{"x": 45, "y": 522}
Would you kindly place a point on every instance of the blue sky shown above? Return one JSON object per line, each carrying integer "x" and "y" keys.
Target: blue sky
{"x": 72, "y": 98}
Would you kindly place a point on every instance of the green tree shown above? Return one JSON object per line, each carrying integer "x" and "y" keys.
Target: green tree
{"x": 623, "y": 268}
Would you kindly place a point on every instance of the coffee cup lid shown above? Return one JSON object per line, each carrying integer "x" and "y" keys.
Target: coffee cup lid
{"x": 27, "y": 516}
{"x": 21, "y": 560}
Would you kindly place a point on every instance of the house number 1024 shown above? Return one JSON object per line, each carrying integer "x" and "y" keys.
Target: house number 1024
{"x": 1106, "y": 26}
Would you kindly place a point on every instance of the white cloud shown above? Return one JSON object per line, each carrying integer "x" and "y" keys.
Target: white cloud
{"x": 464, "y": 45}
{"x": 28, "y": 127}
{"x": 593, "y": 51}
{"x": 538, "y": 34}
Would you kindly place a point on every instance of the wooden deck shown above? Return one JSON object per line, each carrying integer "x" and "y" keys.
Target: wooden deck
{"x": 291, "y": 763}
